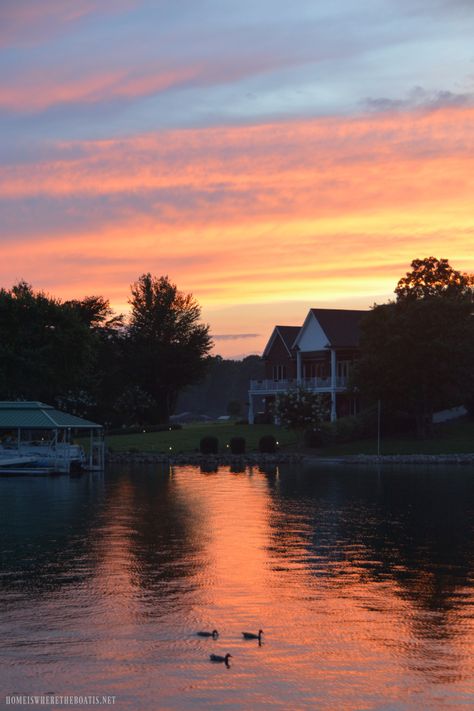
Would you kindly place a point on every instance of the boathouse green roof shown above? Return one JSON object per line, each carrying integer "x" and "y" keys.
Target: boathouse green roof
{"x": 37, "y": 415}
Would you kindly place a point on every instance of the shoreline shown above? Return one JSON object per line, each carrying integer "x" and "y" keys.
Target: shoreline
{"x": 261, "y": 459}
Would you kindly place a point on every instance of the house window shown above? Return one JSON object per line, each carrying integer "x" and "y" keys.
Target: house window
{"x": 279, "y": 372}
{"x": 315, "y": 369}
{"x": 343, "y": 368}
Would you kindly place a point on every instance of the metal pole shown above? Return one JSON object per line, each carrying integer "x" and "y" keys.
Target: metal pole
{"x": 379, "y": 407}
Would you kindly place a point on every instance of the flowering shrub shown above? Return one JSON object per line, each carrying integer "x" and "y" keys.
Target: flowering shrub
{"x": 301, "y": 409}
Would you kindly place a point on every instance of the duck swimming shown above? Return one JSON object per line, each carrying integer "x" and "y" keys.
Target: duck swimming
{"x": 251, "y": 635}
{"x": 214, "y": 634}
{"x": 219, "y": 658}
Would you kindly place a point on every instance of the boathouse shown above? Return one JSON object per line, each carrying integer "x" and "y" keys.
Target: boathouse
{"x": 38, "y": 438}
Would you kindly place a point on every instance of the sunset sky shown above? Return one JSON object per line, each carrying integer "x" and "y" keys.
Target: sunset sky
{"x": 269, "y": 156}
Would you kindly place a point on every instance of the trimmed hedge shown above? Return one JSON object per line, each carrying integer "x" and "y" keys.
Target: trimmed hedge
{"x": 237, "y": 445}
{"x": 209, "y": 445}
{"x": 267, "y": 444}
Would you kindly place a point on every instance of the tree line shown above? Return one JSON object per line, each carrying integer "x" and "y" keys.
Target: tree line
{"x": 417, "y": 351}
{"x": 83, "y": 358}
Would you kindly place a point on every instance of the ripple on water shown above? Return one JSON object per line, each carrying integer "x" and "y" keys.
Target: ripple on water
{"x": 363, "y": 585}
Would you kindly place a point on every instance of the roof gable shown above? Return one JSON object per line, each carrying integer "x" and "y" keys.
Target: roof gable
{"x": 311, "y": 336}
{"x": 330, "y": 328}
{"x": 342, "y": 326}
{"x": 286, "y": 334}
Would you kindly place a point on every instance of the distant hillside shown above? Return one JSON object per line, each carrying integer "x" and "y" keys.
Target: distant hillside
{"x": 226, "y": 381}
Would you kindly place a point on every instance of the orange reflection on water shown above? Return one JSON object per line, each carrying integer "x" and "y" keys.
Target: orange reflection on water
{"x": 360, "y": 604}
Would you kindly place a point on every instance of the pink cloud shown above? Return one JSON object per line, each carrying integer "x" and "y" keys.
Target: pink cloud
{"x": 32, "y": 21}
{"x": 38, "y": 91}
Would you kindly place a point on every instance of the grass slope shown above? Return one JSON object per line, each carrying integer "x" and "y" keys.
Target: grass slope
{"x": 187, "y": 439}
{"x": 454, "y": 437}
{"x": 450, "y": 438}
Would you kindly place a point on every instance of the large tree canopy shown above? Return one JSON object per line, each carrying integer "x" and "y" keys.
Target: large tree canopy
{"x": 166, "y": 344}
{"x": 434, "y": 277}
{"x": 46, "y": 348}
{"x": 417, "y": 354}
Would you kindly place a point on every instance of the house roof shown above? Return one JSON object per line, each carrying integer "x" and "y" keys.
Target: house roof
{"x": 287, "y": 334}
{"x": 341, "y": 326}
{"x": 37, "y": 415}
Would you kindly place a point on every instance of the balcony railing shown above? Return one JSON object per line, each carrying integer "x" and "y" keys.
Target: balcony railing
{"x": 313, "y": 384}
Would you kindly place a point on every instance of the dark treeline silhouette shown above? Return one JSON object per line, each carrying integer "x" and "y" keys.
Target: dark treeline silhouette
{"x": 417, "y": 352}
{"x": 224, "y": 389}
{"x": 82, "y": 358}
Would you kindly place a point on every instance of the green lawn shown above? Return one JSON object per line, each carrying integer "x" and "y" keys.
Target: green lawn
{"x": 450, "y": 438}
{"x": 187, "y": 439}
{"x": 456, "y": 437}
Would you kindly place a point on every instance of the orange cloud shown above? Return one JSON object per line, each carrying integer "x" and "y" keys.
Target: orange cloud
{"x": 328, "y": 210}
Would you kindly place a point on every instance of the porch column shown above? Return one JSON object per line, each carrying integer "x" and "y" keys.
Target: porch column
{"x": 298, "y": 367}
{"x": 251, "y": 413}
{"x": 333, "y": 385}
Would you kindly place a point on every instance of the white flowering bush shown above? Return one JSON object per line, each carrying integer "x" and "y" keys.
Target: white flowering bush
{"x": 301, "y": 409}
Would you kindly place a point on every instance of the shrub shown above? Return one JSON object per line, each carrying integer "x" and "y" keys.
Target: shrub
{"x": 242, "y": 422}
{"x": 237, "y": 445}
{"x": 348, "y": 429}
{"x": 301, "y": 409}
{"x": 267, "y": 444}
{"x": 209, "y": 445}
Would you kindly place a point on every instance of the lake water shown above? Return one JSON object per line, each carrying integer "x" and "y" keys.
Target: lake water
{"x": 363, "y": 582}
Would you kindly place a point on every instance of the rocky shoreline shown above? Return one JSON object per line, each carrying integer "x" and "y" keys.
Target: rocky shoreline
{"x": 366, "y": 459}
{"x": 212, "y": 461}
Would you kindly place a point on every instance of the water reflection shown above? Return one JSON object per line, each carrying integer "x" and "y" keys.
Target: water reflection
{"x": 362, "y": 581}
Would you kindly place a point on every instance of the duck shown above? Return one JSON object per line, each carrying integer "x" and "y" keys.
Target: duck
{"x": 214, "y": 634}
{"x": 219, "y": 658}
{"x": 252, "y": 635}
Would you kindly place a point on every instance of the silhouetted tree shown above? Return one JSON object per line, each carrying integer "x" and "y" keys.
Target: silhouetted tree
{"x": 166, "y": 345}
{"x": 434, "y": 277}
{"x": 417, "y": 356}
{"x": 46, "y": 349}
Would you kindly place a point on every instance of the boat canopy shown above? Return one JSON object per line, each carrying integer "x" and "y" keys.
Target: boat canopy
{"x": 37, "y": 415}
